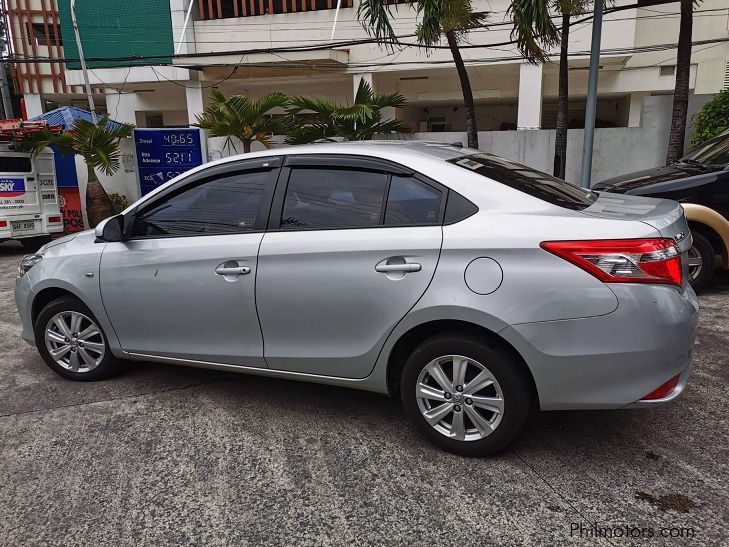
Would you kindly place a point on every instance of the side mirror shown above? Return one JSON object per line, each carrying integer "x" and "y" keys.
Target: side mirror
{"x": 111, "y": 229}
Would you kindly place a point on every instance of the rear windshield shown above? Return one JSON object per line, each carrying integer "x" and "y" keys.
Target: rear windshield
{"x": 528, "y": 180}
{"x": 15, "y": 164}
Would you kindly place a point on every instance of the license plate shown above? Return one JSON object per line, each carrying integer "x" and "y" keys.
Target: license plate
{"x": 22, "y": 225}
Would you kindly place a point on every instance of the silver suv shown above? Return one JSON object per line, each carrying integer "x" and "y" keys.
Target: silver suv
{"x": 469, "y": 284}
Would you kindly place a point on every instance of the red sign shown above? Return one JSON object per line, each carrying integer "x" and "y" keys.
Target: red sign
{"x": 70, "y": 201}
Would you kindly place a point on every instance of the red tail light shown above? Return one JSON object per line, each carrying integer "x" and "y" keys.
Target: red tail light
{"x": 54, "y": 220}
{"x": 3, "y": 223}
{"x": 664, "y": 390}
{"x": 623, "y": 260}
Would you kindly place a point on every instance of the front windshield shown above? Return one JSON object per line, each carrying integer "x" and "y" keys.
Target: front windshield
{"x": 712, "y": 153}
{"x": 530, "y": 181}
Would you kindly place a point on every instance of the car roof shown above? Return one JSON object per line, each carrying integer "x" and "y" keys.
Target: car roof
{"x": 394, "y": 150}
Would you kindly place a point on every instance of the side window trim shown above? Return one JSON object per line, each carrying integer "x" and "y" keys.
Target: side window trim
{"x": 213, "y": 173}
{"x": 322, "y": 161}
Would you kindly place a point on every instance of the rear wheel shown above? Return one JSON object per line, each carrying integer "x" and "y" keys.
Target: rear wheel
{"x": 71, "y": 342}
{"x": 464, "y": 395}
{"x": 34, "y": 243}
{"x": 702, "y": 262}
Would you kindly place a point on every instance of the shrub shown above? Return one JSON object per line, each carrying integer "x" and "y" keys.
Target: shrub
{"x": 119, "y": 202}
{"x": 712, "y": 119}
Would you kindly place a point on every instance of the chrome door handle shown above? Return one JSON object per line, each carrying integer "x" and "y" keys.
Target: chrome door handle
{"x": 407, "y": 267}
{"x": 232, "y": 270}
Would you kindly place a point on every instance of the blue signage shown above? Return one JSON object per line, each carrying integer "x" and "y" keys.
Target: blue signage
{"x": 162, "y": 154}
{"x": 11, "y": 187}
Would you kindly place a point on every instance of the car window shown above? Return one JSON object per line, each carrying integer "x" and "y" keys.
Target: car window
{"x": 713, "y": 153}
{"x": 223, "y": 205}
{"x": 411, "y": 202}
{"x": 330, "y": 198}
{"x": 530, "y": 181}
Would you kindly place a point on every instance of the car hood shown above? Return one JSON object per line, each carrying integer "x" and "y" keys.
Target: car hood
{"x": 649, "y": 177}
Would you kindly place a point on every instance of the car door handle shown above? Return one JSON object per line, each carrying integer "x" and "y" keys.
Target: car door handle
{"x": 232, "y": 270}
{"x": 407, "y": 267}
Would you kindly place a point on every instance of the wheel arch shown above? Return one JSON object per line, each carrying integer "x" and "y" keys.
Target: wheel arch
{"x": 46, "y": 296}
{"x": 409, "y": 340}
{"x": 712, "y": 225}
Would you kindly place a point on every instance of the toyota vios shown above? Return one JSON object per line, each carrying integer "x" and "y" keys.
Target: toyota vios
{"x": 469, "y": 284}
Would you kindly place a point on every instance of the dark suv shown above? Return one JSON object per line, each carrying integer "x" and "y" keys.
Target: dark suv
{"x": 700, "y": 181}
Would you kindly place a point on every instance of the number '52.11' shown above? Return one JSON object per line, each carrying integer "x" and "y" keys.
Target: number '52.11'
{"x": 178, "y": 157}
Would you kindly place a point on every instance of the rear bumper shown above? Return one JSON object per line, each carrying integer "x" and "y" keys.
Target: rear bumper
{"x": 43, "y": 227}
{"x": 613, "y": 360}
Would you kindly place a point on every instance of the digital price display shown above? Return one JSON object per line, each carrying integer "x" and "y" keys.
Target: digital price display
{"x": 162, "y": 154}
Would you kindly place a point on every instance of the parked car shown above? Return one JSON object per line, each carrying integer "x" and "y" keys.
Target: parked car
{"x": 469, "y": 284}
{"x": 700, "y": 181}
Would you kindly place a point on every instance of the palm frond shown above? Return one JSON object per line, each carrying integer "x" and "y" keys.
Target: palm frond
{"x": 533, "y": 30}
{"x": 311, "y": 132}
{"x": 374, "y": 15}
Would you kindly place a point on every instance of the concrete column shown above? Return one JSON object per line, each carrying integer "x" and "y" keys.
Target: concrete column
{"x": 33, "y": 104}
{"x": 529, "y": 115}
{"x": 195, "y": 96}
{"x": 183, "y": 43}
{"x": 636, "y": 108}
{"x": 356, "y": 78}
{"x": 122, "y": 107}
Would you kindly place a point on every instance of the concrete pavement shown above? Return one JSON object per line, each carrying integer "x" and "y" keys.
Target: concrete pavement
{"x": 173, "y": 456}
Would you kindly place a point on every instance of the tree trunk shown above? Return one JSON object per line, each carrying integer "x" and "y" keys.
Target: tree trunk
{"x": 681, "y": 92}
{"x": 468, "y": 103}
{"x": 246, "y": 146}
{"x": 560, "y": 142}
{"x": 98, "y": 204}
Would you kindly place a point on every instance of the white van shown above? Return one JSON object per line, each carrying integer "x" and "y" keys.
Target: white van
{"x": 29, "y": 206}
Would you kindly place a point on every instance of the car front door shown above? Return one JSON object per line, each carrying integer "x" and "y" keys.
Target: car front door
{"x": 352, "y": 245}
{"x": 183, "y": 285}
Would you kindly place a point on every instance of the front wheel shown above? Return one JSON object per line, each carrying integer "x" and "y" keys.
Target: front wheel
{"x": 71, "y": 342}
{"x": 465, "y": 396}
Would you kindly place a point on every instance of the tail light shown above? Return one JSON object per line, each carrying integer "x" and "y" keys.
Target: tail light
{"x": 623, "y": 260}
{"x": 664, "y": 390}
{"x": 3, "y": 223}
{"x": 54, "y": 219}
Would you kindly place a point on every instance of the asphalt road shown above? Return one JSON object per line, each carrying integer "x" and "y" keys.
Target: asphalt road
{"x": 172, "y": 456}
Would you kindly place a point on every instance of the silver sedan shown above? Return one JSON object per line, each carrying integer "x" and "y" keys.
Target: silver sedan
{"x": 471, "y": 285}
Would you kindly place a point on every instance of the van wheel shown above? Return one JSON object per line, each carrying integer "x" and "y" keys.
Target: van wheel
{"x": 71, "y": 342}
{"x": 464, "y": 395}
{"x": 34, "y": 243}
{"x": 702, "y": 262}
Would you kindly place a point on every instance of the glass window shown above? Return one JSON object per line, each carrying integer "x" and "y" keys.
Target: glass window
{"x": 412, "y": 202}
{"x": 223, "y": 205}
{"x": 329, "y": 198}
{"x": 530, "y": 181}
{"x": 713, "y": 153}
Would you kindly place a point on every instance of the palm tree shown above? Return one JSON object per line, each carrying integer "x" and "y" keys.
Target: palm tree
{"x": 98, "y": 145}
{"x": 242, "y": 118}
{"x": 360, "y": 121}
{"x": 453, "y": 20}
{"x": 677, "y": 135}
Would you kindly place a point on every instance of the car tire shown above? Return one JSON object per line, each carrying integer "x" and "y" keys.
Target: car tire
{"x": 76, "y": 350}
{"x": 483, "y": 359}
{"x": 702, "y": 248}
{"x": 34, "y": 243}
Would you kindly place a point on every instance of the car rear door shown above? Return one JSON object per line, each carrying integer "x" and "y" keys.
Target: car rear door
{"x": 183, "y": 286}
{"x": 352, "y": 245}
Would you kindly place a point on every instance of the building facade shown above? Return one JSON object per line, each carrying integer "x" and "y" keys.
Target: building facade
{"x": 186, "y": 47}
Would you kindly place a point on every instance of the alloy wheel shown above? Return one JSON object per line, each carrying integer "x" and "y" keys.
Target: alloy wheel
{"x": 695, "y": 263}
{"x": 460, "y": 398}
{"x": 74, "y": 341}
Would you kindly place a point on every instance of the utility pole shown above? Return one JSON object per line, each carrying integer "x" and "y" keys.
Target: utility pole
{"x": 90, "y": 97}
{"x": 4, "y": 89}
{"x": 591, "y": 109}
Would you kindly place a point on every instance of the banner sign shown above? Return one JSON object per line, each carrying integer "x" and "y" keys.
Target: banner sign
{"x": 66, "y": 175}
{"x": 12, "y": 187}
{"x": 162, "y": 154}
{"x": 70, "y": 202}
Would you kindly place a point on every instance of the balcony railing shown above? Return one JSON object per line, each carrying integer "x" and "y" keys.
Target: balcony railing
{"x": 221, "y": 9}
